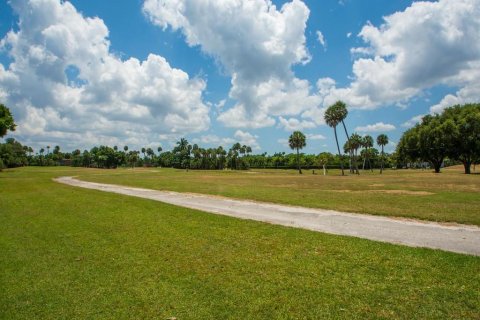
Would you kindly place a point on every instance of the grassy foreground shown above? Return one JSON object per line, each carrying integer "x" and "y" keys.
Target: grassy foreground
{"x": 69, "y": 253}
{"x": 448, "y": 197}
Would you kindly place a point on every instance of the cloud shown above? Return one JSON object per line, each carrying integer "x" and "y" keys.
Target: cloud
{"x": 64, "y": 83}
{"x": 377, "y": 127}
{"x": 413, "y": 121}
{"x": 428, "y": 44}
{"x": 256, "y": 43}
{"x": 246, "y": 138}
{"x": 211, "y": 139}
{"x": 293, "y": 124}
{"x": 220, "y": 104}
{"x": 316, "y": 137}
{"x": 321, "y": 39}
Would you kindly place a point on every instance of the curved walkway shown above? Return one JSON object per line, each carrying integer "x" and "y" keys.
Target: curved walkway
{"x": 455, "y": 238}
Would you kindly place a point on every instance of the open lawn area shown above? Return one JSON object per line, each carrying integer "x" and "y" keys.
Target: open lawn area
{"x": 70, "y": 253}
{"x": 450, "y": 196}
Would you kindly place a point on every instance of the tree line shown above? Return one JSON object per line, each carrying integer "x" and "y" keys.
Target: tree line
{"x": 451, "y": 137}
{"x": 454, "y": 134}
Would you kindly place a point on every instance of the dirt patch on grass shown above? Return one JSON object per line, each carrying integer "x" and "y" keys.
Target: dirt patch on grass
{"x": 400, "y": 192}
{"x": 377, "y": 185}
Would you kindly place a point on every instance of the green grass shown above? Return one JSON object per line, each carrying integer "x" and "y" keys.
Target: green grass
{"x": 447, "y": 197}
{"x": 71, "y": 253}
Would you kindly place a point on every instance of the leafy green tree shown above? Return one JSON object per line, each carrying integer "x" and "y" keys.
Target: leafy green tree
{"x": 12, "y": 154}
{"x": 6, "y": 121}
{"x": 465, "y": 138}
{"x": 332, "y": 119}
{"x": 297, "y": 140}
{"x": 132, "y": 158}
{"x": 182, "y": 153}
{"x": 431, "y": 140}
{"x": 324, "y": 159}
{"x": 382, "y": 140}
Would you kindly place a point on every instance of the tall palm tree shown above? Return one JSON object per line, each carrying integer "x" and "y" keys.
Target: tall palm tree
{"x": 342, "y": 112}
{"x": 125, "y": 148}
{"x": 297, "y": 141}
{"x": 236, "y": 149}
{"x": 382, "y": 140}
{"x": 159, "y": 149}
{"x": 367, "y": 143}
{"x": 332, "y": 119}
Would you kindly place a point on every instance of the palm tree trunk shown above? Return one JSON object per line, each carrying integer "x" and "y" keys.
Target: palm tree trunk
{"x": 364, "y": 159}
{"x": 356, "y": 162}
{"x": 351, "y": 152}
{"x": 381, "y": 165}
{"x": 338, "y": 147}
{"x": 298, "y": 162}
{"x": 324, "y": 171}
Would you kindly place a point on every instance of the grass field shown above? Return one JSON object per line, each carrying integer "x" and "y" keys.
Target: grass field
{"x": 448, "y": 197}
{"x": 69, "y": 253}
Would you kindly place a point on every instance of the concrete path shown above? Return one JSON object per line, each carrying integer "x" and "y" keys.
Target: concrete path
{"x": 455, "y": 238}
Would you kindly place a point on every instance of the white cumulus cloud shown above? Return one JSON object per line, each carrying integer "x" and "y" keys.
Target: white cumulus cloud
{"x": 377, "y": 127}
{"x": 321, "y": 39}
{"x": 248, "y": 139}
{"x": 413, "y": 121}
{"x": 256, "y": 43}
{"x": 64, "y": 83}
{"x": 428, "y": 44}
{"x": 293, "y": 124}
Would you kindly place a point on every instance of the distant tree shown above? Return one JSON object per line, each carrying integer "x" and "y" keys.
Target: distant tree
{"x": 341, "y": 111}
{"x": 182, "y": 153}
{"x": 297, "y": 141}
{"x": 382, "y": 140}
{"x": 125, "y": 148}
{"x": 356, "y": 142}
{"x": 150, "y": 153}
{"x": 248, "y": 150}
{"x": 12, "y": 154}
{"x": 431, "y": 140}
{"x": 6, "y": 121}
{"x": 332, "y": 119}
{"x": 367, "y": 143}
{"x": 323, "y": 159}
{"x": 132, "y": 158}
{"x": 465, "y": 138}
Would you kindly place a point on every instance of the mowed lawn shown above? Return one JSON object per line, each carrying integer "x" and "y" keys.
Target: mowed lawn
{"x": 71, "y": 253}
{"x": 450, "y": 196}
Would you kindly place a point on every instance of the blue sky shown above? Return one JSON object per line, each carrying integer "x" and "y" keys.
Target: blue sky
{"x": 144, "y": 73}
